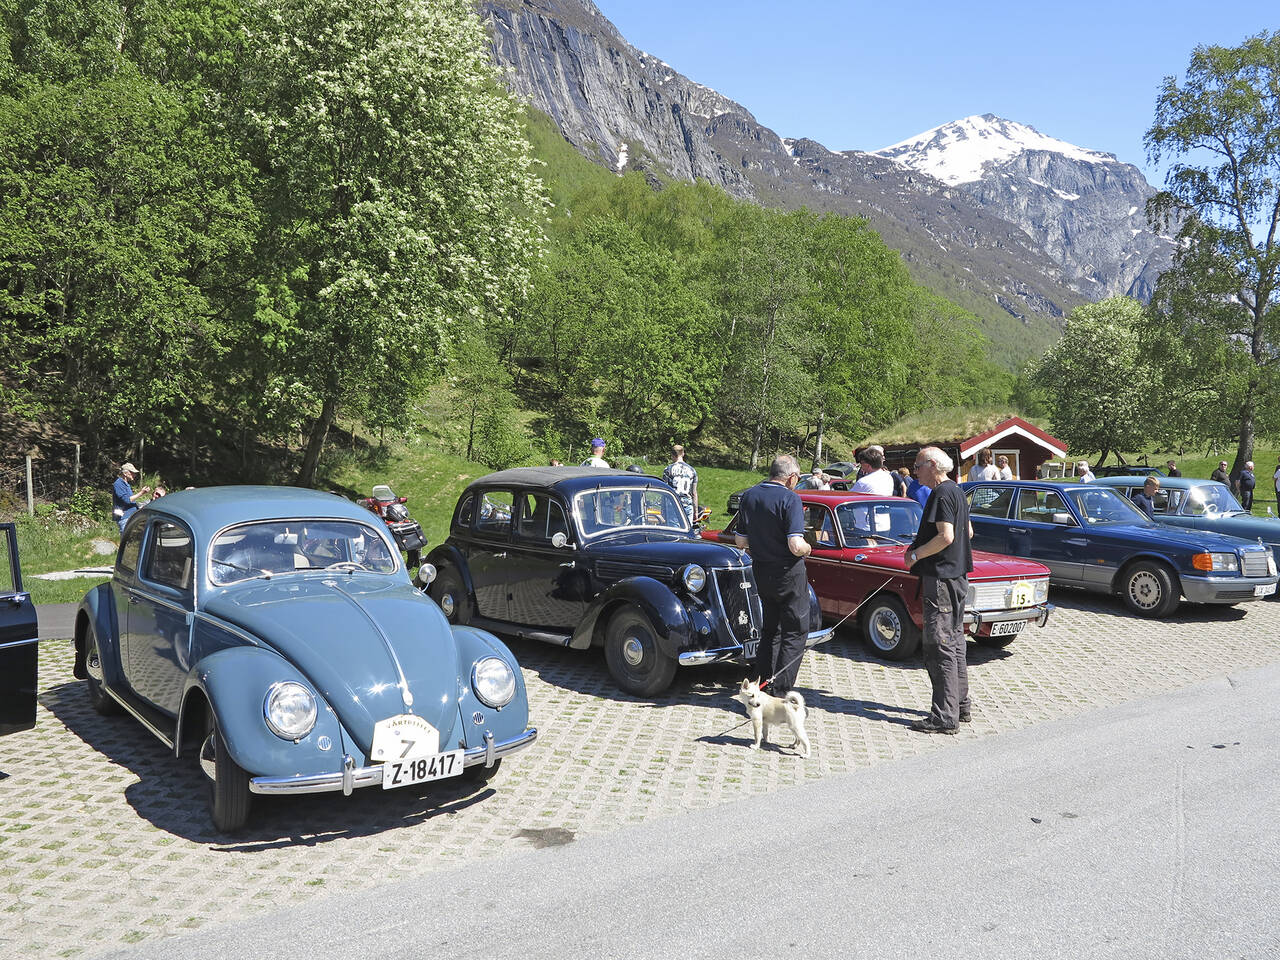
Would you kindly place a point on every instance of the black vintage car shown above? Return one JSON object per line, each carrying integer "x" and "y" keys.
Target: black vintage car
{"x": 18, "y": 644}
{"x": 583, "y": 557}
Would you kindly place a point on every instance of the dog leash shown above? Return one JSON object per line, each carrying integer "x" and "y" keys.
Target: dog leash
{"x": 828, "y": 635}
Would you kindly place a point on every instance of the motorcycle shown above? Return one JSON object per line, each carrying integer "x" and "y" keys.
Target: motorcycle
{"x": 393, "y": 512}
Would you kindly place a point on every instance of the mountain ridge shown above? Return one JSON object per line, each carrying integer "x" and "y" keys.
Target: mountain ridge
{"x": 1005, "y": 251}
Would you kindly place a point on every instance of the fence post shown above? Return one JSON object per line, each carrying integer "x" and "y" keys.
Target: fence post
{"x": 31, "y": 499}
{"x": 75, "y": 483}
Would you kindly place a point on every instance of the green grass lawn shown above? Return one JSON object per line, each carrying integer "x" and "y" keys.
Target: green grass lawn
{"x": 432, "y": 480}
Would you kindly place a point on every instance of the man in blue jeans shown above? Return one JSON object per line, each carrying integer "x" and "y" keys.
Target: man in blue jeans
{"x": 771, "y": 528}
{"x": 941, "y": 557}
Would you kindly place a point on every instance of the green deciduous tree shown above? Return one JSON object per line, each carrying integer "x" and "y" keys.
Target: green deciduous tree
{"x": 1216, "y": 326}
{"x": 1101, "y": 396}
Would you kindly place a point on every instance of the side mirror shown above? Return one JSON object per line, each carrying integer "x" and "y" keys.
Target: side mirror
{"x": 1062, "y": 519}
{"x": 426, "y": 574}
{"x": 559, "y": 540}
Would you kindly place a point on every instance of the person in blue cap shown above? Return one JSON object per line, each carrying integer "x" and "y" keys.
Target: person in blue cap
{"x": 597, "y": 455}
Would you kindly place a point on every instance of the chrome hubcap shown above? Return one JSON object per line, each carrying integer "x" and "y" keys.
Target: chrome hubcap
{"x": 885, "y": 629}
{"x": 447, "y": 604}
{"x": 209, "y": 758}
{"x": 633, "y": 651}
{"x": 1144, "y": 590}
{"x": 93, "y": 664}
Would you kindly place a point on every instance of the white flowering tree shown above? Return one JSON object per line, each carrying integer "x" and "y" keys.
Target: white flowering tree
{"x": 1101, "y": 396}
{"x": 397, "y": 195}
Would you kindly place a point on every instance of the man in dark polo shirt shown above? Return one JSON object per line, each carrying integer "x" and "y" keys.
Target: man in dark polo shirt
{"x": 771, "y": 528}
{"x": 941, "y": 557}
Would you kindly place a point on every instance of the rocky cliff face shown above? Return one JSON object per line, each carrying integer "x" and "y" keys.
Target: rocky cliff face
{"x": 1037, "y": 232}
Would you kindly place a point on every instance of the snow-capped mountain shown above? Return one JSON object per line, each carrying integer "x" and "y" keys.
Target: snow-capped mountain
{"x": 1084, "y": 207}
{"x": 957, "y": 152}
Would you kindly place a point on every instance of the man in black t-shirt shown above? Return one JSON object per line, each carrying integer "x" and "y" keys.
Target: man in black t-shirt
{"x": 771, "y": 528}
{"x": 941, "y": 557}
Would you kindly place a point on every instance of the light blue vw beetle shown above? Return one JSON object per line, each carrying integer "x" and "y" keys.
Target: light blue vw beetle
{"x": 273, "y": 632}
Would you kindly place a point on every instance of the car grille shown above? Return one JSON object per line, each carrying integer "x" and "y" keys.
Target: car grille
{"x": 609, "y": 570}
{"x": 741, "y": 607}
{"x": 994, "y": 595}
{"x": 1255, "y": 563}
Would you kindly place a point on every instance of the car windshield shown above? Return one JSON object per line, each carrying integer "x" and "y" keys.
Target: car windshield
{"x": 892, "y": 520}
{"x": 614, "y": 509}
{"x": 1210, "y": 499}
{"x": 1099, "y": 504}
{"x": 287, "y": 546}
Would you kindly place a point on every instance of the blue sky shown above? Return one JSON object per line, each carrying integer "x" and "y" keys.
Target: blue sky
{"x": 863, "y": 76}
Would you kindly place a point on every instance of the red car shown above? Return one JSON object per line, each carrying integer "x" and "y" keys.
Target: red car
{"x": 858, "y": 563}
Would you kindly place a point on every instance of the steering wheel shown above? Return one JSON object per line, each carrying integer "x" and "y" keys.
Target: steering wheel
{"x": 346, "y": 565}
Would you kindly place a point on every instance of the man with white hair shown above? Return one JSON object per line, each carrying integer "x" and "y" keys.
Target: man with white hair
{"x": 940, "y": 555}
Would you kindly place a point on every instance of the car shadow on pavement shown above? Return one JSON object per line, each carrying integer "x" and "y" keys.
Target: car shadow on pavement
{"x": 172, "y": 794}
{"x": 1115, "y": 606}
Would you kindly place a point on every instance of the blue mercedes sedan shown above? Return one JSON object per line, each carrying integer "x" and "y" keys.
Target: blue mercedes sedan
{"x": 274, "y": 634}
{"x": 1203, "y": 505}
{"x": 1089, "y": 536}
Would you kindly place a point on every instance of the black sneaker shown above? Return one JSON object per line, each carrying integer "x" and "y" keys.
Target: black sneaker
{"x": 929, "y": 725}
{"x": 965, "y": 716}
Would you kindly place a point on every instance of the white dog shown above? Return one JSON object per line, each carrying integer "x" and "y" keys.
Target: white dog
{"x": 764, "y": 709}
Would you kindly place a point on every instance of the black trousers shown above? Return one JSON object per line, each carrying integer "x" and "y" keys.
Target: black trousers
{"x": 1246, "y": 498}
{"x": 944, "y": 647}
{"x": 784, "y": 592}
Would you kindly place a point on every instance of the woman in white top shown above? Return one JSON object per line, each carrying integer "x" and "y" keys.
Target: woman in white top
{"x": 1002, "y": 465}
{"x": 984, "y": 469}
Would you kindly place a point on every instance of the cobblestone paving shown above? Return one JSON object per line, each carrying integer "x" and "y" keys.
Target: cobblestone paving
{"x": 105, "y": 839}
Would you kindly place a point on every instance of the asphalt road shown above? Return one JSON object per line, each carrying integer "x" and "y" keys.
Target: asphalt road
{"x": 1144, "y": 830}
{"x": 56, "y": 621}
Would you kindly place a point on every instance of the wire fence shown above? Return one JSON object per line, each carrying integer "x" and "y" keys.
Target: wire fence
{"x": 52, "y": 474}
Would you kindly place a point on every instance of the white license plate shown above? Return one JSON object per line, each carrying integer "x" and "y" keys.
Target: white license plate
{"x": 1007, "y": 627}
{"x": 1266, "y": 590}
{"x": 749, "y": 649}
{"x": 401, "y": 773}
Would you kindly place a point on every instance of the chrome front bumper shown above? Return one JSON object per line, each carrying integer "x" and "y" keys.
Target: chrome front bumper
{"x": 352, "y": 778}
{"x": 1039, "y": 613}
{"x": 695, "y": 658}
{"x": 1223, "y": 589}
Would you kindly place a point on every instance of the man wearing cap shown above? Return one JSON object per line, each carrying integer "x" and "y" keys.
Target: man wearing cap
{"x": 597, "y": 455}
{"x": 124, "y": 502}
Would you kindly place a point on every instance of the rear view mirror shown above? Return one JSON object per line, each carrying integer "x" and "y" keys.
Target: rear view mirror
{"x": 558, "y": 539}
{"x": 426, "y": 574}
{"x": 1062, "y": 519}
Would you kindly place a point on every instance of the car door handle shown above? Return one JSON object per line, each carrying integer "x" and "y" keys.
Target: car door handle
{"x": 570, "y": 565}
{"x": 503, "y": 554}
{"x": 18, "y": 599}
{"x": 1019, "y": 530}
{"x": 1077, "y": 541}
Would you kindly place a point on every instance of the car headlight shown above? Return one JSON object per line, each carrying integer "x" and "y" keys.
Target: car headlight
{"x": 1216, "y": 562}
{"x": 290, "y": 710}
{"x": 1271, "y": 565}
{"x": 695, "y": 578}
{"x": 493, "y": 681}
{"x": 1042, "y": 591}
